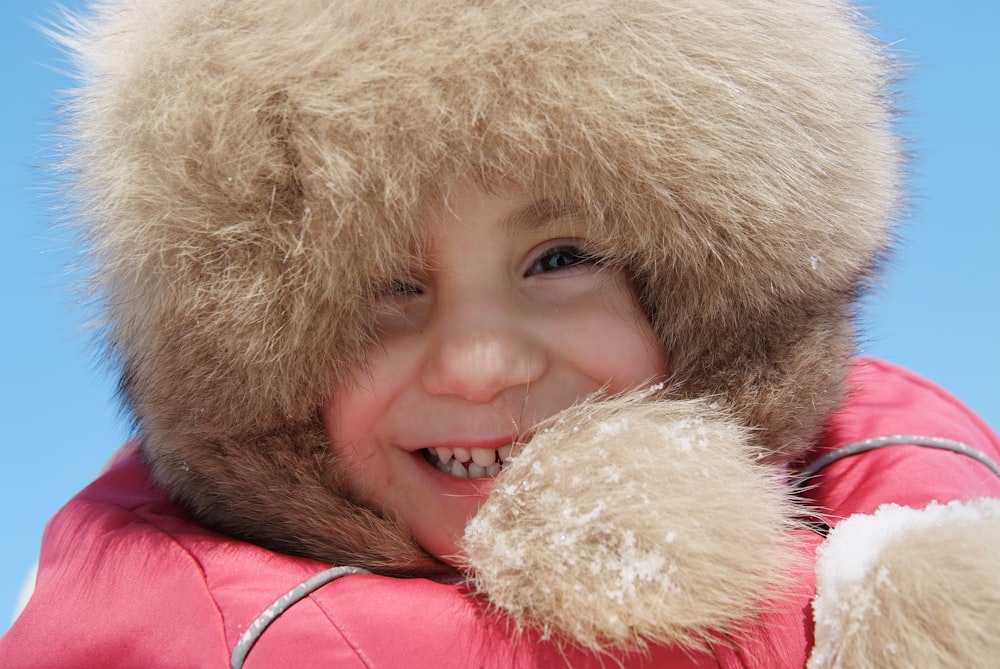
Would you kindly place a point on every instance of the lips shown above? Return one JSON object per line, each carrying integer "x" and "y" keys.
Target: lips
{"x": 462, "y": 462}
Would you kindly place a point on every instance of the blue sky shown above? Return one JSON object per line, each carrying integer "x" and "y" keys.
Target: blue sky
{"x": 937, "y": 311}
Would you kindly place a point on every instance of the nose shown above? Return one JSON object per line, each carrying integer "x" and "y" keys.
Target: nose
{"x": 481, "y": 352}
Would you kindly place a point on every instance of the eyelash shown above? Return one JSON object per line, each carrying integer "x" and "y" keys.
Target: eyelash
{"x": 403, "y": 287}
{"x": 399, "y": 287}
{"x": 578, "y": 257}
{"x": 547, "y": 262}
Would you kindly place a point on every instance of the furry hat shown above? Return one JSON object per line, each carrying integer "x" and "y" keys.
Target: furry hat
{"x": 250, "y": 173}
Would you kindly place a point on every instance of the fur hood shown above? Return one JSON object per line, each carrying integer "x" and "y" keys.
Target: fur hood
{"x": 249, "y": 173}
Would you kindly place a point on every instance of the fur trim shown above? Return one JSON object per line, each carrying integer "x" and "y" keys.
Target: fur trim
{"x": 905, "y": 588}
{"x": 628, "y": 521}
{"x": 249, "y": 172}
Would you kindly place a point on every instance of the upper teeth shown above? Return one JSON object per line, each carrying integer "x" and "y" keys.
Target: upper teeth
{"x": 469, "y": 462}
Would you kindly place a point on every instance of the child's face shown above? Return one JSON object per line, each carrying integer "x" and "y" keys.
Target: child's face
{"x": 508, "y": 322}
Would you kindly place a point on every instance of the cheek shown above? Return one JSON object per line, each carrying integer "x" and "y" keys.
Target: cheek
{"x": 359, "y": 405}
{"x": 633, "y": 355}
{"x": 367, "y": 472}
{"x": 349, "y": 421}
{"x": 346, "y": 419}
{"x": 615, "y": 343}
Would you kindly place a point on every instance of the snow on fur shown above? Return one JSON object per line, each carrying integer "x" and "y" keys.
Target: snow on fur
{"x": 247, "y": 174}
{"x": 910, "y": 588}
{"x": 629, "y": 521}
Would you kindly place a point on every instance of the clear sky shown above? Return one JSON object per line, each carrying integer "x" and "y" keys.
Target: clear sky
{"x": 937, "y": 311}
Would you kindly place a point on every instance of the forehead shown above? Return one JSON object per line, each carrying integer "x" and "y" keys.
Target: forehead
{"x": 475, "y": 212}
{"x": 509, "y": 208}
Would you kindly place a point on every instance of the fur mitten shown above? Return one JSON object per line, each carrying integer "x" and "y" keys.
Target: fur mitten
{"x": 247, "y": 175}
{"x": 908, "y": 588}
{"x": 627, "y": 521}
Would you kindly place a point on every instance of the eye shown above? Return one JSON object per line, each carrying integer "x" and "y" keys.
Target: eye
{"x": 398, "y": 305}
{"x": 402, "y": 287}
{"x": 561, "y": 257}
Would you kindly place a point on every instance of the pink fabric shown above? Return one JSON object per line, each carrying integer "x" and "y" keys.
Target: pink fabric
{"x": 127, "y": 580}
{"x": 887, "y": 400}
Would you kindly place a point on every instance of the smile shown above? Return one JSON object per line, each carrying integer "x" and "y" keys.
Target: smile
{"x": 468, "y": 462}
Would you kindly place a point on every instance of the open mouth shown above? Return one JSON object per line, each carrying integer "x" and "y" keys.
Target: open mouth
{"x": 468, "y": 462}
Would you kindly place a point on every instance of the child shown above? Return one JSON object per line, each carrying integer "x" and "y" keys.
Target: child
{"x": 545, "y": 301}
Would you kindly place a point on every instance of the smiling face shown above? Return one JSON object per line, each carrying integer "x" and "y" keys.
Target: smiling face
{"x": 509, "y": 320}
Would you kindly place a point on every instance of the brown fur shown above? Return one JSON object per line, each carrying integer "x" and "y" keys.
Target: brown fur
{"x": 248, "y": 173}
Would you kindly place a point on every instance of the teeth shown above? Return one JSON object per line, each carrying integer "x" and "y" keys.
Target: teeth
{"x": 469, "y": 462}
{"x": 483, "y": 457}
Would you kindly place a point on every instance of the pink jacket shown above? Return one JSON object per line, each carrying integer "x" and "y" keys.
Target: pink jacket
{"x": 126, "y": 579}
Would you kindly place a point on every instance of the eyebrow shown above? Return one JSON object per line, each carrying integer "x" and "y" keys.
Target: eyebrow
{"x": 539, "y": 213}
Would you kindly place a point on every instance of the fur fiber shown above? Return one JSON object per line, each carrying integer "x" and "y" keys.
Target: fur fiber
{"x": 249, "y": 173}
{"x": 928, "y": 597}
{"x": 632, "y": 539}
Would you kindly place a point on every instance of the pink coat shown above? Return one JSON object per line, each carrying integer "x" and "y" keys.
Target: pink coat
{"x": 126, "y": 579}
